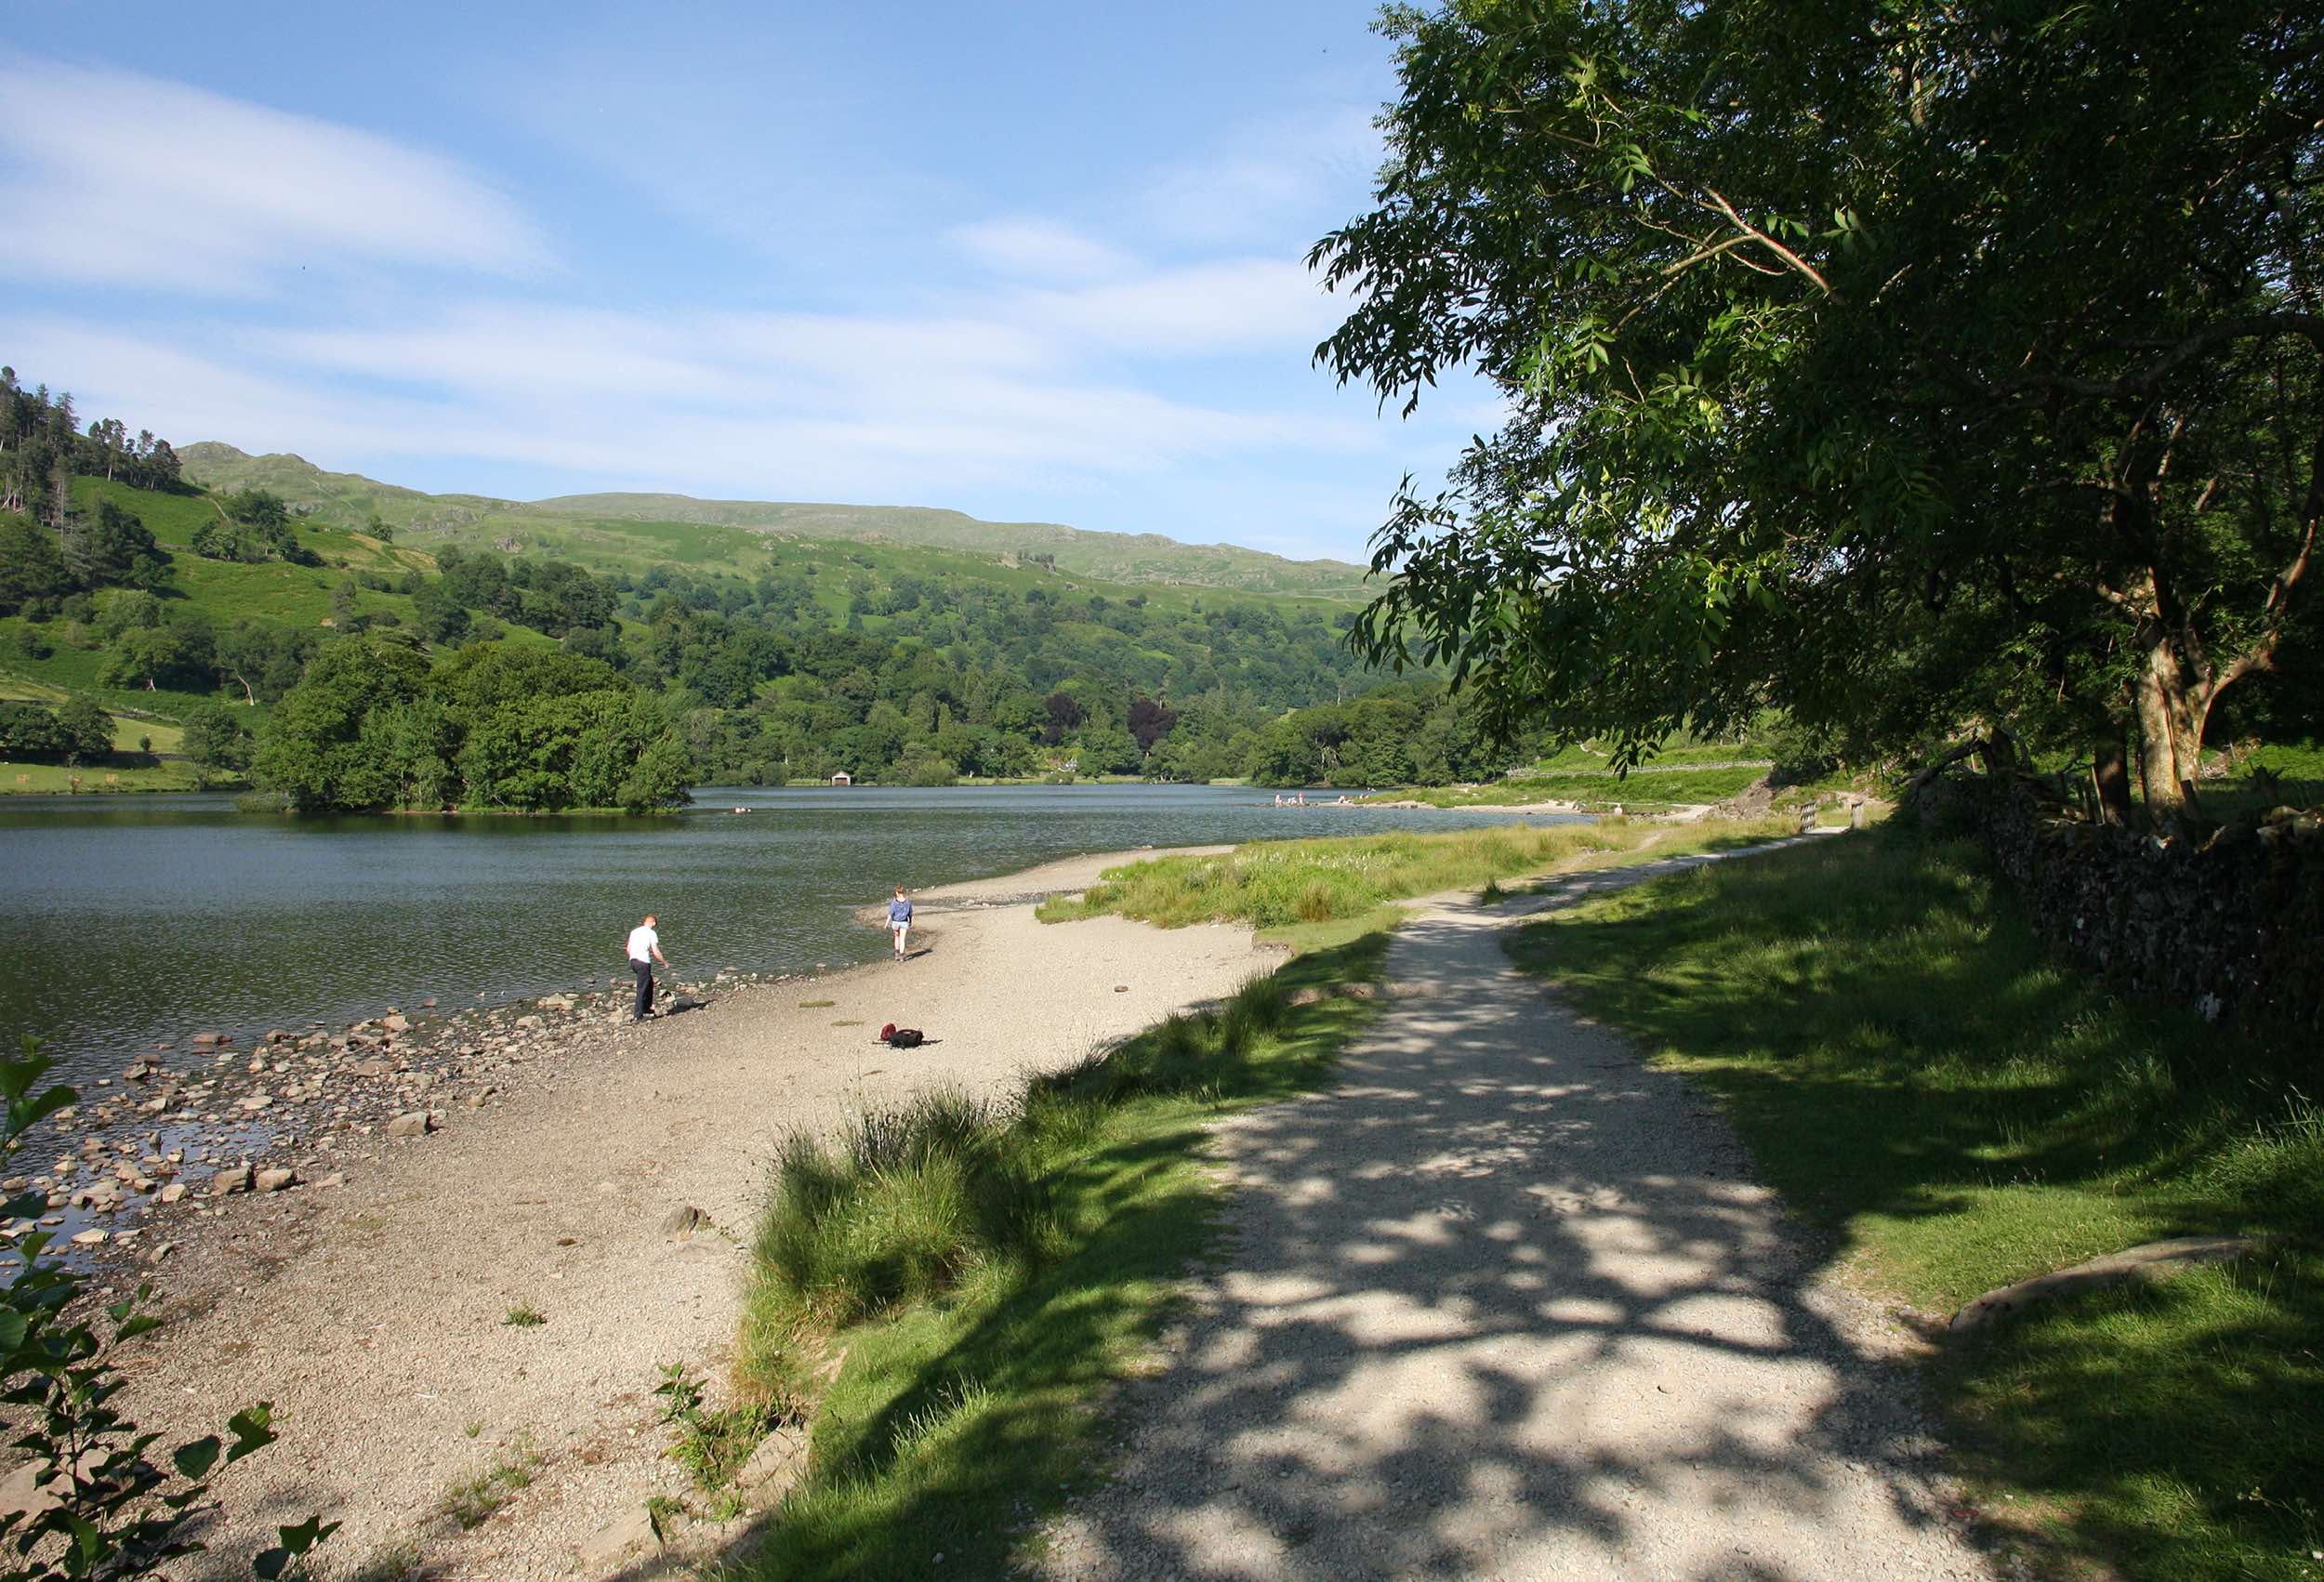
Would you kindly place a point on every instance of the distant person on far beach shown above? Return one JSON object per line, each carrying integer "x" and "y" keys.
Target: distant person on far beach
{"x": 645, "y": 949}
{"x": 898, "y": 920}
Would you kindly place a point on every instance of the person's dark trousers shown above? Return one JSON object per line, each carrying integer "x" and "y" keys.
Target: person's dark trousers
{"x": 644, "y": 969}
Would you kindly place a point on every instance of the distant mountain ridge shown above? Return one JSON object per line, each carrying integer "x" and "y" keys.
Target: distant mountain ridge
{"x": 1114, "y": 557}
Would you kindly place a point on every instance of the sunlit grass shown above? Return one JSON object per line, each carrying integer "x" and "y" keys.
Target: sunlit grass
{"x": 950, "y": 1286}
{"x": 1283, "y": 884}
{"x": 1959, "y": 1111}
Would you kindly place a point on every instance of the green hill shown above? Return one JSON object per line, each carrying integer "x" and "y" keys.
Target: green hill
{"x": 637, "y": 530}
{"x": 146, "y": 589}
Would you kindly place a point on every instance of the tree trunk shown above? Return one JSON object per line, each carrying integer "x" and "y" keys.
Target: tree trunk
{"x": 2110, "y": 775}
{"x": 2159, "y": 697}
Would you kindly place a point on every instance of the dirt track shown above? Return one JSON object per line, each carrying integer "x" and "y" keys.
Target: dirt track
{"x": 1504, "y": 1303}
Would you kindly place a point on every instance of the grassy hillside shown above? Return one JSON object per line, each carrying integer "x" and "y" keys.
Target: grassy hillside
{"x": 272, "y": 593}
{"x": 633, "y": 531}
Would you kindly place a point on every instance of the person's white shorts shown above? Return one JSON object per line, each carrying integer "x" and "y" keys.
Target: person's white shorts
{"x": 899, "y": 930}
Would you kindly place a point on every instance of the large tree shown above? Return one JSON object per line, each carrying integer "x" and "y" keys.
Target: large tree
{"x": 1907, "y": 364}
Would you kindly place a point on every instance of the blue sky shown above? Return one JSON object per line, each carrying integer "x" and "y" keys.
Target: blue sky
{"x": 1032, "y": 261}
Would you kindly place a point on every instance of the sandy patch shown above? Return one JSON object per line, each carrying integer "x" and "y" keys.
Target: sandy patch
{"x": 371, "y": 1314}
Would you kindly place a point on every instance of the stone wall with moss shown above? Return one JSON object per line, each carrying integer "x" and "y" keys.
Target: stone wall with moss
{"x": 2231, "y": 923}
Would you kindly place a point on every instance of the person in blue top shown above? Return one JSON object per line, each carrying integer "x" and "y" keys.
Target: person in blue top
{"x": 898, "y": 920}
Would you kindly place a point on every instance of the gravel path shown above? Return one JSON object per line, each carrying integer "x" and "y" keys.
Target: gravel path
{"x": 1504, "y": 1303}
{"x": 371, "y": 1313}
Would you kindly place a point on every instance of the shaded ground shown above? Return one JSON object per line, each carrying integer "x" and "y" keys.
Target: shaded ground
{"x": 1504, "y": 1303}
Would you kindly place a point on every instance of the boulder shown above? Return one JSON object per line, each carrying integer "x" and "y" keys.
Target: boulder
{"x": 684, "y": 1221}
{"x": 2152, "y": 1263}
{"x": 371, "y": 1068}
{"x": 210, "y": 1040}
{"x": 412, "y": 1123}
{"x": 274, "y": 1180}
{"x": 625, "y": 1538}
{"x": 772, "y": 1467}
{"x": 171, "y": 1193}
{"x": 33, "y": 1489}
{"x": 396, "y": 1021}
{"x": 232, "y": 1179}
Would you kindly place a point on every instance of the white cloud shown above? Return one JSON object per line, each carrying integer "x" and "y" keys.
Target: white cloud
{"x": 1031, "y": 248}
{"x": 108, "y": 177}
{"x": 1241, "y": 305}
{"x": 1296, "y": 171}
{"x": 786, "y": 406}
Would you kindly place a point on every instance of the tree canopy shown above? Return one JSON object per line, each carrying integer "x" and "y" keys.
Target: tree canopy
{"x": 1906, "y": 366}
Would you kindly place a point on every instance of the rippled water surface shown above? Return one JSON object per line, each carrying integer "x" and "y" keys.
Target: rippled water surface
{"x": 131, "y": 919}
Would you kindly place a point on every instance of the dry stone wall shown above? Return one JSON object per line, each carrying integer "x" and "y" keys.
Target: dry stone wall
{"x": 2232, "y": 924}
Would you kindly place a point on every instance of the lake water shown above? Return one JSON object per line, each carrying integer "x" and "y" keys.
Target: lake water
{"x": 137, "y": 918}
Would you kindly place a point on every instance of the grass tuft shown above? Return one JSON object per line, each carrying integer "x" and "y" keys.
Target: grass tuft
{"x": 473, "y": 1501}
{"x": 949, "y": 1285}
{"x": 1961, "y": 1111}
{"x": 711, "y": 1444}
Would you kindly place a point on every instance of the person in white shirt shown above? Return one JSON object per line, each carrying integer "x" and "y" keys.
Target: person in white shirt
{"x": 645, "y": 949}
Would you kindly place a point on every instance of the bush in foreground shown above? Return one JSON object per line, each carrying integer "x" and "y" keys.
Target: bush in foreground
{"x": 106, "y": 1509}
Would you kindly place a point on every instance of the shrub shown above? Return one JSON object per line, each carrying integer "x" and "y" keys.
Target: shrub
{"x": 116, "y": 1514}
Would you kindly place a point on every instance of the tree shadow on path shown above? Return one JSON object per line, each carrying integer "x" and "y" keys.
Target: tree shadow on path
{"x": 1505, "y": 1302}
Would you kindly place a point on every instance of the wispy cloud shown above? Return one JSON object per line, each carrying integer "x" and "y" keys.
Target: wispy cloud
{"x": 1034, "y": 248}
{"x": 1235, "y": 304}
{"x": 1119, "y": 340}
{"x": 114, "y": 176}
{"x": 1289, "y": 171}
{"x": 775, "y": 403}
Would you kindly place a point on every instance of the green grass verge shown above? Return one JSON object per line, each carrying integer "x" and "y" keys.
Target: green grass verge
{"x": 1292, "y": 888}
{"x": 1959, "y": 1110}
{"x": 1645, "y": 788}
{"x": 952, "y": 1288}
{"x": 55, "y": 780}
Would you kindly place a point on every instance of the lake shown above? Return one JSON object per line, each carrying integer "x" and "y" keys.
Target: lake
{"x": 133, "y": 919}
